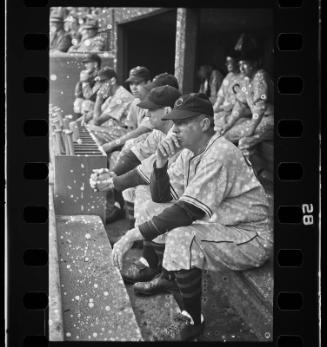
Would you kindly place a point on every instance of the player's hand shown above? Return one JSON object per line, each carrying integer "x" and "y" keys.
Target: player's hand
{"x": 102, "y": 180}
{"x": 124, "y": 245}
{"x": 167, "y": 148}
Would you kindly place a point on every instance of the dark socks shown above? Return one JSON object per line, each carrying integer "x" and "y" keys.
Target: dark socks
{"x": 153, "y": 253}
{"x": 118, "y": 197}
{"x": 189, "y": 283}
{"x": 130, "y": 213}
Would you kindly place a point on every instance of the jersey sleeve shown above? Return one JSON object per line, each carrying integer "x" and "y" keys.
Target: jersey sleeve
{"x": 146, "y": 148}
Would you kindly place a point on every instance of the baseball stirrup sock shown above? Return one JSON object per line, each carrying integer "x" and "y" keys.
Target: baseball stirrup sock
{"x": 149, "y": 254}
{"x": 118, "y": 196}
{"x": 130, "y": 213}
{"x": 159, "y": 248}
{"x": 189, "y": 283}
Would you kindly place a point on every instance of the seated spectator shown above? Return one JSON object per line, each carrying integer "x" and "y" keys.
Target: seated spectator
{"x": 60, "y": 40}
{"x": 111, "y": 107}
{"x": 252, "y": 118}
{"x": 226, "y": 97}
{"x": 72, "y": 27}
{"x": 91, "y": 41}
{"x": 210, "y": 81}
{"x": 87, "y": 87}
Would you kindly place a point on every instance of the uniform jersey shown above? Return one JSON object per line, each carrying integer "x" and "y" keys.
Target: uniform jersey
{"x": 220, "y": 182}
{"x": 117, "y": 106}
{"x": 137, "y": 116}
{"x": 149, "y": 146}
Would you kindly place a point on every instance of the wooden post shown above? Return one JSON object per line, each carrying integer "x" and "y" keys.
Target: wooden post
{"x": 187, "y": 25}
{"x": 121, "y": 53}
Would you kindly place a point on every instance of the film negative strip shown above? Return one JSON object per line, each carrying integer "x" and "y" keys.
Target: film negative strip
{"x": 277, "y": 304}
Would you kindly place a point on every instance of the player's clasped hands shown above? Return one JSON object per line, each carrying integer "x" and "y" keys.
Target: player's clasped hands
{"x": 102, "y": 180}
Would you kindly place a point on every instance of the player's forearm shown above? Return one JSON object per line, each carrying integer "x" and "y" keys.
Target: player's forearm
{"x": 98, "y": 120}
{"x": 160, "y": 185}
{"x": 133, "y": 134}
{"x": 128, "y": 180}
{"x": 177, "y": 215}
{"x": 126, "y": 163}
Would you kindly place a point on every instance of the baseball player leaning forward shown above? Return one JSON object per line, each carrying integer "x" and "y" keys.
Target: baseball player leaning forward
{"x": 208, "y": 211}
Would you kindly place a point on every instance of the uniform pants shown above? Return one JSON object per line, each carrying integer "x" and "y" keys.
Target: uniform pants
{"x": 211, "y": 246}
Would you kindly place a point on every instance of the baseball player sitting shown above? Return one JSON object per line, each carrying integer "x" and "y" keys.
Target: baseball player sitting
{"x": 157, "y": 103}
{"x": 209, "y": 211}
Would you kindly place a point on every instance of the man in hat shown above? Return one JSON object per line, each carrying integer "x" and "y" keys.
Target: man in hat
{"x": 136, "y": 120}
{"x": 209, "y": 211}
{"x": 226, "y": 96}
{"x": 91, "y": 41}
{"x": 111, "y": 107}
{"x": 88, "y": 86}
{"x": 60, "y": 40}
{"x": 145, "y": 144}
{"x": 252, "y": 118}
{"x": 72, "y": 26}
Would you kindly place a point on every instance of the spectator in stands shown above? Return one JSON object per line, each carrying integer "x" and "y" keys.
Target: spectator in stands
{"x": 88, "y": 86}
{"x": 211, "y": 80}
{"x": 91, "y": 40}
{"x": 226, "y": 97}
{"x": 60, "y": 40}
{"x": 138, "y": 145}
{"x": 208, "y": 212}
{"x": 111, "y": 107}
{"x": 252, "y": 118}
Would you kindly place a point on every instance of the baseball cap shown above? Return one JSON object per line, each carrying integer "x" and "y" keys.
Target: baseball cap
{"x": 92, "y": 58}
{"x": 160, "y": 97}
{"x": 90, "y": 24}
{"x": 107, "y": 73}
{"x": 190, "y": 105}
{"x": 139, "y": 74}
{"x": 163, "y": 79}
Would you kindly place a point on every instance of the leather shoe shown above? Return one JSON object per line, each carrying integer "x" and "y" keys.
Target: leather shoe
{"x": 139, "y": 272}
{"x": 160, "y": 284}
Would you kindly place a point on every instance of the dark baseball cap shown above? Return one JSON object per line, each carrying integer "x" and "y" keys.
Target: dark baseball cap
{"x": 190, "y": 105}
{"x": 160, "y": 97}
{"x": 139, "y": 74}
{"x": 163, "y": 79}
{"x": 106, "y": 73}
{"x": 92, "y": 57}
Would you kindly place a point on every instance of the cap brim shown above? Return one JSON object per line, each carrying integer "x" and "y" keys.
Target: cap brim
{"x": 149, "y": 105}
{"x": 134, "y": 79}
{"x": 180, "y": 114}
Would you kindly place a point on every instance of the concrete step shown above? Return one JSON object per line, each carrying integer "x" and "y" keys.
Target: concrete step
{"x": 95, "y": 302}
{"x": 250, "y": 293}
